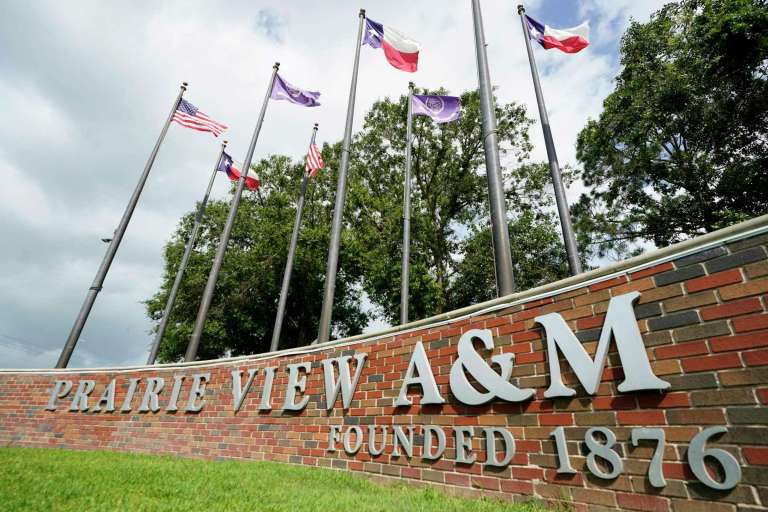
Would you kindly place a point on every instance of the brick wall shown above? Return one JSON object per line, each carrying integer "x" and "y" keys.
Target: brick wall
{"x": 703, "y": 316}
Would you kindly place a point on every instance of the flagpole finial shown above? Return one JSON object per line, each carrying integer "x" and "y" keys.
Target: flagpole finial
{"x": 224, "y": 144}
{"x": 411, "y": 85}
{"x": 520, "y": 9}
{"x": 184, "y": 85}
{"x": 316, "y": 126}
{"x": 276, "y": 66}
{"x": 362, "y": 13}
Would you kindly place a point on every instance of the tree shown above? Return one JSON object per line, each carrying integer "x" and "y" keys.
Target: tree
{"x": 681, "y": 147}
{"x": 243, "y": 312}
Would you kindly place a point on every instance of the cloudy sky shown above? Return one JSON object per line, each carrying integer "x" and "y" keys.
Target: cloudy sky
{"x": 85, "y": 87}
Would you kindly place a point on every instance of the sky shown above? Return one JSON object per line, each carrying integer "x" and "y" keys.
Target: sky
{"x": 88, "y": 85}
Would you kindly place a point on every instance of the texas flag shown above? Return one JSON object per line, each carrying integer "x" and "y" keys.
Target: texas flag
{"x": 227, "y": 165}
{"x": 568, "y": 40}
{"x": 400, "y": 50}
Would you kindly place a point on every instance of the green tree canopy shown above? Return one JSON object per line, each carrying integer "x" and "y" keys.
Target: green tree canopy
{"x": 681, "y": 147}
{"x": 452, "y": 256}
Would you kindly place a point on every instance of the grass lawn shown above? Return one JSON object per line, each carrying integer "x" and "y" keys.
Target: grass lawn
{"x": 34, "y": 479}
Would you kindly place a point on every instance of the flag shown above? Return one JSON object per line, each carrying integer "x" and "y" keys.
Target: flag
{"x": 442, "y": 109}
{"x": 282, "y": 90}
{"x": 188, "y": 115}
{"x": 400, "y": 50}
{"x": 568, "y": 40}
{"x": 227, "y": 165}
{"x": 314, "y": 161}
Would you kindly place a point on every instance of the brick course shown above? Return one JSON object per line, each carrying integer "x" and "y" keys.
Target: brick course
{"x": 704, "y": 319}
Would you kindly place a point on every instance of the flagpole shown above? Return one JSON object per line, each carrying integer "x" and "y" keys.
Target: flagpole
{"x": 184, "y": 261}
{"x": 405, "y": 274}
{"x": 106, "y": 262}
{"x": 205, "y": 303}
{"x": 505, "y": 281}
{"x": 569, "y": 237}
{"x": 291, "y": 253}
{"x": 341, "y": 190}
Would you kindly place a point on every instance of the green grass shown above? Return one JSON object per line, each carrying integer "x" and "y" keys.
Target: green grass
{"x": 34, "y": 479}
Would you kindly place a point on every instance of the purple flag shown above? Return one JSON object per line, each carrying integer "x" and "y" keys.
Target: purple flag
{"x": 442, "y": 109}
{"x": 282, "y": 90}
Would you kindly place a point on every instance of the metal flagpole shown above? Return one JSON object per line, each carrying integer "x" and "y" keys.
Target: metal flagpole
{"x": 505, "y": 281}
{"x": 341, "y": 190}
{"x": 205, "y": 303}
{"x": 406, "y": 265}
{"x": 291, "y": 254}
{"x": 554, "y": 168}
{"x": 101, "y": 274}
{"x": 184, "y": 261}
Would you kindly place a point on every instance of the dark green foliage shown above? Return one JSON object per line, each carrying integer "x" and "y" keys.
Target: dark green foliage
{"x": 681, "y": 147}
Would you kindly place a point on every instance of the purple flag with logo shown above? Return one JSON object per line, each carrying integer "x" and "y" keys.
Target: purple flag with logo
{"x": 282, "y": 90}
{"x": 442, "y": 109}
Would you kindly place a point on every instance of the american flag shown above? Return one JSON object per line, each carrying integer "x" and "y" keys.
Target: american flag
{"x": 188, "y": 115}
{"x": 314, "y": 161}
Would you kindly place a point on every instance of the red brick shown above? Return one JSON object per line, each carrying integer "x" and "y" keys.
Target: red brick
{"x": 711, "y": 362}
{"x": 714, "y": 280}
{"x": 750, "y": 323}
{"x": 485, "y": 482}
{"x": 614, "y": 402}
{"x": 457, "y": 479}
{"x": 762, "y": 395}
{"x": 551, "y": 475}
{"x": 507, "y": 329}
{"x": 677, "y": 471}
{"x": 526, "y": 336}
{"x": 644, "y": 502}
{"x": 528, "y": 473}
{"x": 756, "y": 357}
{"x": 516, "y": 487}
{"x": 756, "y": 455}
{"x": 608, "y": 283}
{"x": 731, "y": 309}
{"x": 499, "y": 320}
{"x": 740, "y": 342}
{"x": 664, "y": 401}
{"x": 556, "y": 419}
{"x": 590, "y": 322}
{"x": 532, "y": 357}
{"x": 645, "y": 417}
{"x": 693, "y": 348}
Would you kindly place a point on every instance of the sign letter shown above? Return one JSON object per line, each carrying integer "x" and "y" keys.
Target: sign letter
{"x": 620, "y": 323}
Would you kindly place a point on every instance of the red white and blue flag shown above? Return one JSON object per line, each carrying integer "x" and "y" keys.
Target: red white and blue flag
{"x": 188, "y": 115}
{"x": 568, "y": 40}
{"x": 400, "y": 50}
{"x": 227, "y": 165}
{"x": 314, "y": 161}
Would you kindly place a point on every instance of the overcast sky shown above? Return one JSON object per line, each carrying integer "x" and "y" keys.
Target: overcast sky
{"x": 85, "y": 87}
